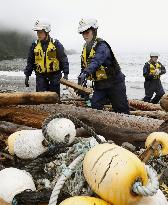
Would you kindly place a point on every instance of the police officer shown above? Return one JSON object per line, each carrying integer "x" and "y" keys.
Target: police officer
{"x": 99, "y": 65}
{"x": 152, "y": 71}
{"x": 48, "y": 59}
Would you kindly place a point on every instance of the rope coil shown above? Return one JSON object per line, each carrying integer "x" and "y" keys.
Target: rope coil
{"x": 151, "y": 188}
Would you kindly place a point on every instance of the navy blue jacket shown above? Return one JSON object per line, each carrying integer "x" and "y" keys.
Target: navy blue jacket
{"x": 104, "y": 56}
{"x": 61, "y": 56}
{"x": 146, "y": 71}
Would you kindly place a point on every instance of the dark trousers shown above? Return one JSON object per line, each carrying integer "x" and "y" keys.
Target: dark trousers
{"x": 115, "y": 94}
{"x": 48, "y": 82}
{"x": 151, "y": 87}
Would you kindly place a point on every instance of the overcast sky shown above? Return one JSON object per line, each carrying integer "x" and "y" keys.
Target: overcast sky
{"x": 128, "y": 25}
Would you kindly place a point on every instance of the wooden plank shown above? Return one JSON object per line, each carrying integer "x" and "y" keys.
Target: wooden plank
{"x": 76, "y": 86}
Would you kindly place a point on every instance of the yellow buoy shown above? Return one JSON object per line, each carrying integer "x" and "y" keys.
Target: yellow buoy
{"x": 26, "y": 144}
{"x": 83, "y": 200}
{"x": 11, "y": 141}
{"x": 162, "y": 138}
{"x": 111, "y": 171}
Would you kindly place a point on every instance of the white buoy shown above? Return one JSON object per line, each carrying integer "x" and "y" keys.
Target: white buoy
{"x": 26, "y": 144}
{"x": 157, "y": 199}
{"x": 14, "y": 181}
{"x": 61, "y": 130}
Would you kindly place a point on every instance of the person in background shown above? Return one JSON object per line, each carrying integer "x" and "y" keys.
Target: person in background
{"x": 152, "y": 71}
{"x": 48, "y": 59}
{"x": 99, "y": 65}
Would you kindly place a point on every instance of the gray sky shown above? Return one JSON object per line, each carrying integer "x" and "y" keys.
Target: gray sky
{"x": 128, "y": 25}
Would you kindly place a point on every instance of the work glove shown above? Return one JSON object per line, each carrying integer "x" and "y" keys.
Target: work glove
{"x": 65, "y": 76}
{"x": 82, "y": 79}
{"x": 157, "y": 72}
{"x": 27, "y": 81}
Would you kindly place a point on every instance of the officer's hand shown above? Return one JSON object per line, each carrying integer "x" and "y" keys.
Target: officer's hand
{"x": 157, "y": 72}
{"x": 65, "y": 76}
{"x": 82, "y": 79}
{"x": 27, "y": 81}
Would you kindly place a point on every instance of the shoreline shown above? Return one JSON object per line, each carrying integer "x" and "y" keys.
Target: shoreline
{"x": 16, "y": 83}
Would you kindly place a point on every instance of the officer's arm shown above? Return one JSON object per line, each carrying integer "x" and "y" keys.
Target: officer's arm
{"x": 30, "y": 61}
{"x": 163, "y": 69}
{"x": 101, "y": 55}
{"x": 62, "y": 57}
{"x": 146, "y": 72}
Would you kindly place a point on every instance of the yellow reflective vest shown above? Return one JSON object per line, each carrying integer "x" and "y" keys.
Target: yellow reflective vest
{"x": 46, "y": 62}
{"x": 152, "y": 69}
{"x": 101, "y": 71}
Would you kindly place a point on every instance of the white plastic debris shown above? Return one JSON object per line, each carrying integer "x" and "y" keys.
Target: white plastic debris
{"x": 14, "y": 181}
{"x": 27, "y": 144}
{"x": 61, "y": 130}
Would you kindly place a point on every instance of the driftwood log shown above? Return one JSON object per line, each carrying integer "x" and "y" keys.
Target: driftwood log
{"x": 159, "y": 114}
{"x": 28, "y": 98}
{"x": 4, "y": 203}
{"x": 9, "y": 127}
{"x": 76, "y": 86}
{"x": 164, "y": 102}
{"x": 23, "y": 116}
{"x": 113, "y": 126}
{"x": 140, "y": 105}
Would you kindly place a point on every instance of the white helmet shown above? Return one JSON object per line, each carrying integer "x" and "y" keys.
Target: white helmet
{"x": 154, "y": 54}
{"x": 42, "y": 25}
{"x": 85, "y": 24}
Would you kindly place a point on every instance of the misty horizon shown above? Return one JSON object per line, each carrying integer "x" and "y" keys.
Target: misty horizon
{"x": 128, "y": 26}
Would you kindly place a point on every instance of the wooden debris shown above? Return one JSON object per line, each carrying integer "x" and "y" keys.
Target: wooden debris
{"x": 113, "y": 126}
{"x": 141, "y": 105}
{"x": 164, "y": 102}
{"x": 9, "y": 127}
{"x": 28, "y": 98}
{"x": 76, "y": 86}
{"x": 159, "y": 114}
{"x": 149, "y": 152}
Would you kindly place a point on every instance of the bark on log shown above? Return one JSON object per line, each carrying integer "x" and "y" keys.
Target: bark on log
{"x": 140, "y": 105}
{"x": 75, "y": 86}
{"x": 113, "y": 126}
{"x": 28, "y": 98}
{"x": 161, "y": 115}
{"x": 164, "y": 127}
{"x": 4, "y": 203}
{"x": 9, "y": 127}
{"x": 23, "y": 116}
{"x": 164, "y": 102}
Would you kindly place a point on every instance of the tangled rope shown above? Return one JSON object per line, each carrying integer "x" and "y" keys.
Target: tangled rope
{"x": 37, "y": 164}
{"x": 66, "y": 174}
{"x": 81, "y": 149}
{"x": 151, "y": 188}
{"x": 76, "y": 121}
{"x": 30, "y": 197}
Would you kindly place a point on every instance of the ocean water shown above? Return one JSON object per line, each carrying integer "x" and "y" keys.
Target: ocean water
{"x": 131, "y": 65}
